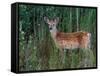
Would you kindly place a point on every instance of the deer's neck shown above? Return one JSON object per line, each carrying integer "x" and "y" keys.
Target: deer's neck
{"x": 53, "y": 32}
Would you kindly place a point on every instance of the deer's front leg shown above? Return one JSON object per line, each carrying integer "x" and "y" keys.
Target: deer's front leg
{"x": 62, "y": 55}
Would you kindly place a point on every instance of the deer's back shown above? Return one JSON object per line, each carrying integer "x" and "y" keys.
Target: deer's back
{"x": 71, "y": 40}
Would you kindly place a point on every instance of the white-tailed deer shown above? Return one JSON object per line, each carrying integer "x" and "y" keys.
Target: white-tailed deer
{"x": 68, "y": 40}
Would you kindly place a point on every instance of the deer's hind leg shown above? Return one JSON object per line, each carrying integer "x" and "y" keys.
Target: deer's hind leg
{"x": 85, "y": 42}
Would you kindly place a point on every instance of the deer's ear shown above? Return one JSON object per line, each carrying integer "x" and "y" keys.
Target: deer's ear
{"x": 56, "y": 20}
{"x": 46, "y": 19}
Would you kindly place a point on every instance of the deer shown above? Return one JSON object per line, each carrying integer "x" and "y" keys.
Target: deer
{"x": 69, "y": 40}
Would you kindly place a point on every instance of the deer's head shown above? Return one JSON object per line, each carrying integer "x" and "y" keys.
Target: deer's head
{"x": 52, "y": 23}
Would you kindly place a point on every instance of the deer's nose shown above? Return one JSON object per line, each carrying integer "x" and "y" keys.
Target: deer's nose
{"x": 50, "y": 28}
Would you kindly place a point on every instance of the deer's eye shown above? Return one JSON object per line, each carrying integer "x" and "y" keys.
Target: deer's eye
{"x": 53, "y": 25}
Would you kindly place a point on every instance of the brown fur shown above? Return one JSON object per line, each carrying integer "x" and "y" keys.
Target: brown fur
{"x": 73, "y": 40}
